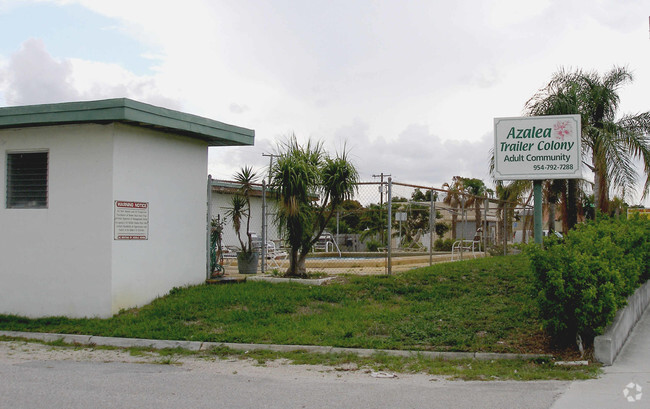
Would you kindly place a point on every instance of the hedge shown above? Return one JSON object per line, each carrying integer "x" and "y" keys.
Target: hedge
{"x": 582, "y": 280}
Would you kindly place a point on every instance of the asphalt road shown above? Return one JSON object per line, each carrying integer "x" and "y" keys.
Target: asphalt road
{"x": 35, "y": 376}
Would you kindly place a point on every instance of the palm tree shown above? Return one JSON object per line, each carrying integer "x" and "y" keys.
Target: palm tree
{"x": 559, "y": 97}
{"x": 453, "y": 199}
{"x": 310, "y": 186}
{"x": 611, "y": 143}
{"x": 508, "y": 195}
{"x": 476, "y": 188}
{"x": 553, "y": 193}
{"x": 371, "y": 222}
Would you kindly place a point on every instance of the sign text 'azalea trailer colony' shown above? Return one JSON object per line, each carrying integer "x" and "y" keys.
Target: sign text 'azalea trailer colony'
{"x": 537, "y": 148}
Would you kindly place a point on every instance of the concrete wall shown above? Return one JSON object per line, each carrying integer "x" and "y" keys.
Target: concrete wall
{"x": 220, "y": 204}
{"x": 56, "y": 261}
{"x": 608, "y": 345}
{"x": 169, "y": 172}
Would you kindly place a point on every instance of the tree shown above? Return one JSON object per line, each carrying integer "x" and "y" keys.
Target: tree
{"x": 476, "y": 188}
{"x": 418, "y": 196}
{"x": 472, "y": 191}
{"x": 349, "y": 217}
{"x": 552, "y": 191}
{"x": 371, "y": 222}
{"x": 453, "y": 199}
{"x": 415, "y": 225}
{"x": 508, "y": 195}
{"x": 611, "y": 143}
{"x": 310, "y": 186}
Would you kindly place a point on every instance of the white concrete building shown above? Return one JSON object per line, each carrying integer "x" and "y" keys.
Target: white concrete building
{"x": 222, "y": 194}
{"x": 103, "y": 204}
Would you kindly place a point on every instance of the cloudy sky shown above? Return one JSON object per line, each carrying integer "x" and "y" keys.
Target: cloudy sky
{"x": 410, "y": 87}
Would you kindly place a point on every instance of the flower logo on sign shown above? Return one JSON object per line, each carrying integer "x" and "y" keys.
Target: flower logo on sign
{"x": 562, "y": 129}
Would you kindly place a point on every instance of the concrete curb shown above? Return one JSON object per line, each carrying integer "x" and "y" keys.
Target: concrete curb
{"x": 205, "y": 346}
{"x": 305, "y": 281}
{"x": 608, "y": 345}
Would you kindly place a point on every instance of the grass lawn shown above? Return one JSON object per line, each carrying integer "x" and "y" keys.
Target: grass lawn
{"x": 474, "y": 305}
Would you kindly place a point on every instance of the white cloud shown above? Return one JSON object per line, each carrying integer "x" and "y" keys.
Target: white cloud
{"x": 417, "y": 156}
{"x": 238, "y": 109}
{"x": 412, "y": 86}
{"x": 33, "y": 76}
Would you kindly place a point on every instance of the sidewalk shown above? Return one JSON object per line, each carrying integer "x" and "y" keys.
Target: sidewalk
{"x": 631, "y": 367}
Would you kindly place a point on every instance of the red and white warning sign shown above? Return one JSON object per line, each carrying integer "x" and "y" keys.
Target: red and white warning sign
{"x": 131, "y": 220}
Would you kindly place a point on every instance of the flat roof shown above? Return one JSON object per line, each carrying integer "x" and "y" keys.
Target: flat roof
{"x": 130, "y": 112}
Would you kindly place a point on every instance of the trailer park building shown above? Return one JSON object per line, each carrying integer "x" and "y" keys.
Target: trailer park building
{"x": 103, "y": 204}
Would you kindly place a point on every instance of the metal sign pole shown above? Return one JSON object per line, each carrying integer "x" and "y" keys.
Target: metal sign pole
{"x": 505, "y": 229}
{"x": 537, "y": 200}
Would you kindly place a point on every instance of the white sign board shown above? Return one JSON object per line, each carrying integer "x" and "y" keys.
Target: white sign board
{"x": 537, "y": 147}
{"x": 131, "y": 220}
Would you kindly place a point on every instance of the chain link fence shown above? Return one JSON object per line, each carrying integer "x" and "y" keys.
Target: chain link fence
{"x": 359, "y": 239}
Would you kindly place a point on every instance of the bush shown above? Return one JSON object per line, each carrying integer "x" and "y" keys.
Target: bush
{"x": 373, "y": 245}
{"x": 443, "y": 245}
{"x": 581, "y": 282}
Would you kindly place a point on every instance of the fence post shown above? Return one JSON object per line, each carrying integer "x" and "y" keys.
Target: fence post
{"x": 486, "y": 204}
{"x": 389, "y": 230}
{"x": 209, "y": 228}
{"x": 263, "y": 245}
{"x": 462, "y": 219}
{"x": 432, "y": 227}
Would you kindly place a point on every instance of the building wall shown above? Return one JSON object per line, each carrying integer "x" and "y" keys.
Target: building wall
{"x": 56, "y": 261}
{"x": 220, "y": 204}
{"x": 63, "y": 260}
{"x": 168, "y": 172}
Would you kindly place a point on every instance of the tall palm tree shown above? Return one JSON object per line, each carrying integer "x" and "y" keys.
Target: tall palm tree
{"x": 453, "y": 199}
{"x": 553, "y": 192}
{"x": 476, "y": 188}
{"x": 559, "y": 97}
{"x": 611, "y": 142}
{"x": 509, "y": 195}
{"x": 614, "y": 142}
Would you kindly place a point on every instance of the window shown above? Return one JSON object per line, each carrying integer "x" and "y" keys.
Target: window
{"x": 27, "y": 180}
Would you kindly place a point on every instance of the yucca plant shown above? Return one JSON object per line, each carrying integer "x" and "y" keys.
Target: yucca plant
{"x": 310, "y": 186}
{"x": 240, "y": 207}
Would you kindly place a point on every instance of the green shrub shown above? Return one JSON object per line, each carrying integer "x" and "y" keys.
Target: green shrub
{"x": 581, "y": 282}
{"x": 443, "y": 245}
{"x": 373, "y": 245}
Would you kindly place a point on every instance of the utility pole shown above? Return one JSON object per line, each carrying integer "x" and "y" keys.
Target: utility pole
{"x": 265, "y": 226}
{"x": 271, "y": 156}
{"x": 381, "y": 202}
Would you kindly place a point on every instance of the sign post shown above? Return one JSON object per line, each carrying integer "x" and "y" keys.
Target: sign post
{"x": 537, "y": 210}
{"x": 537, "y": 148}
